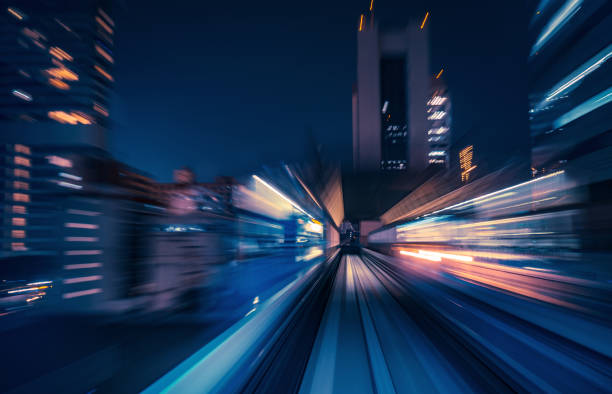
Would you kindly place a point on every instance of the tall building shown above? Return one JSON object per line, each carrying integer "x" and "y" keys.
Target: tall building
{"x": 389, "y": 101}
{"x": 439, "y": 116}
{"x": 570, "y": 83}
{"x": 56, "y": 63}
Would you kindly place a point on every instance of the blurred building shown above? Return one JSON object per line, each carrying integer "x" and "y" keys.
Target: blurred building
{"x": 390, "y": 98}
{"x": 74, "y": 217}
{"x": 570, "y": 82}
{"x": 439, "y": 116}
{"x": 56, "y": 62}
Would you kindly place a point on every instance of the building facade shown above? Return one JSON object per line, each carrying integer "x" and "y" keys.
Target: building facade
{"x": 389, "y": 101}
{"x": 439, "y": 116}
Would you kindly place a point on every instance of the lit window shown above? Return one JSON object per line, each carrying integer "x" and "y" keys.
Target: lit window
{"x": 104, "y": 25}
{"x": 103, "y": 73}
{"x": 70, "y": 118}
{"x": 105, "y": 15}
{"x": 18, "y": 246}
{"x": 18, "y": 221}
{"x": 22, "y": 161}
{"x": 439, "y": 130}
{"x": 436, "y": 100}
{"x": 104, "y": 54}
{"x": 22, "y": 149}
{"x": 59, "y": 161}
{"x": 21, "y": 173}
{"x": 17, "y": 234}
{"x": 21, "y": 197}
{"x": 20, "y": 209}
{"x": 437, "y": 153}
{"x": 100, "y": 109}
{"x": 21, "y": 185}
{"x": 62, "y": 73}
{"x": 60, "y": 54}
{"x": 59, "y": 84}
{"x": 437, "y": 115}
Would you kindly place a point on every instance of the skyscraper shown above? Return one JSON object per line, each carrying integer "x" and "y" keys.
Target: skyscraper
{"x": 56, "y": 71}
{"x": 439, "y": 116}
{"x": 389, "y": 102}
{"x": 56, "y": 78}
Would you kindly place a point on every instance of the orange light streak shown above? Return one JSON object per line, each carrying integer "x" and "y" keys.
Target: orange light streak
{"x": 424, "y": 20}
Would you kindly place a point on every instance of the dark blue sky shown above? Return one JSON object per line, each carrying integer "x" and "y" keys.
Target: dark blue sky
{"x": 224, "y": 87}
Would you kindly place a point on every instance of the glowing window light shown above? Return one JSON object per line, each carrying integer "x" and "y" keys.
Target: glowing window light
{"x": 565, "y": 13}
{"x": 82, "y": 266}
{"x": 62, "y": 73}
{"x": 424, "y": 20}
{"x": 106, "y": 27}
{"x": 69, "y": 185}
{"x": 22, "y": 161}
{"x": 59, "y": 161}
{"x": 22, "y": 95}
{"x": 586, "y": 107}
{"x": 70, "y": 176}
{"x": 100, "y": 109}
{"x": 82, "y": 252}
{"x": 20, "y": 209}
{"x": 106, "y": 17}
{"x": 104, "y": 54}
{"x": 16, "y": 13}
{"x": 63, "y": 25}
{"x": 22, "y": 149}
{"x": 87, "y": 226}
{"x": 103, "y": 73}
{"x": 437, "y": 131}
{"x": 18, "y": 234}
{"x": 437, "y": 100}
{"x": 361, "y": 23}
{"x": 72, "y": 118}
{"x": 21, "y": 197}
{"x": 82, "y": 293}
{"x": 82, "y": 279}
{"x": 437, "y": 153}
{"x": 465, "y": 162}
{"x": 60, "y": 54}
{"x": 18, "y": 247}
{"x": 81, "y": 239}
{"x": 439, "y": 74}
{"x": 18, "y": 221}
{"x": 437, "y": 115}
{"x": 21, "y": 185}
{"x": 59, "y": 84}
{"x": 579, "y": 74}
{"x": 282, "y": 196}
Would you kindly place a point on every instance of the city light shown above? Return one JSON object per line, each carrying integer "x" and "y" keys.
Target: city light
{"x": 439, "y": 74}
{"x": 589, "y": 105}
{"x": 424, "y": 20}
{"x": 282, "y": 196}
{"x": 565, "y": 13}
{"x": 361, "y": 23}
{"x": 437, "y": 115}
{"x": 583, "y": 71}
{"x": 15, "y": 13}
{"x": 22, "y": 95}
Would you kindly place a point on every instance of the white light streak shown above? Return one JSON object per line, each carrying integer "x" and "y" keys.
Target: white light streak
{"x": 282, "y": 196}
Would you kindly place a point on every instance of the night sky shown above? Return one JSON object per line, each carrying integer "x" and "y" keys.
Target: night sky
{"x": 224, "y": 87}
